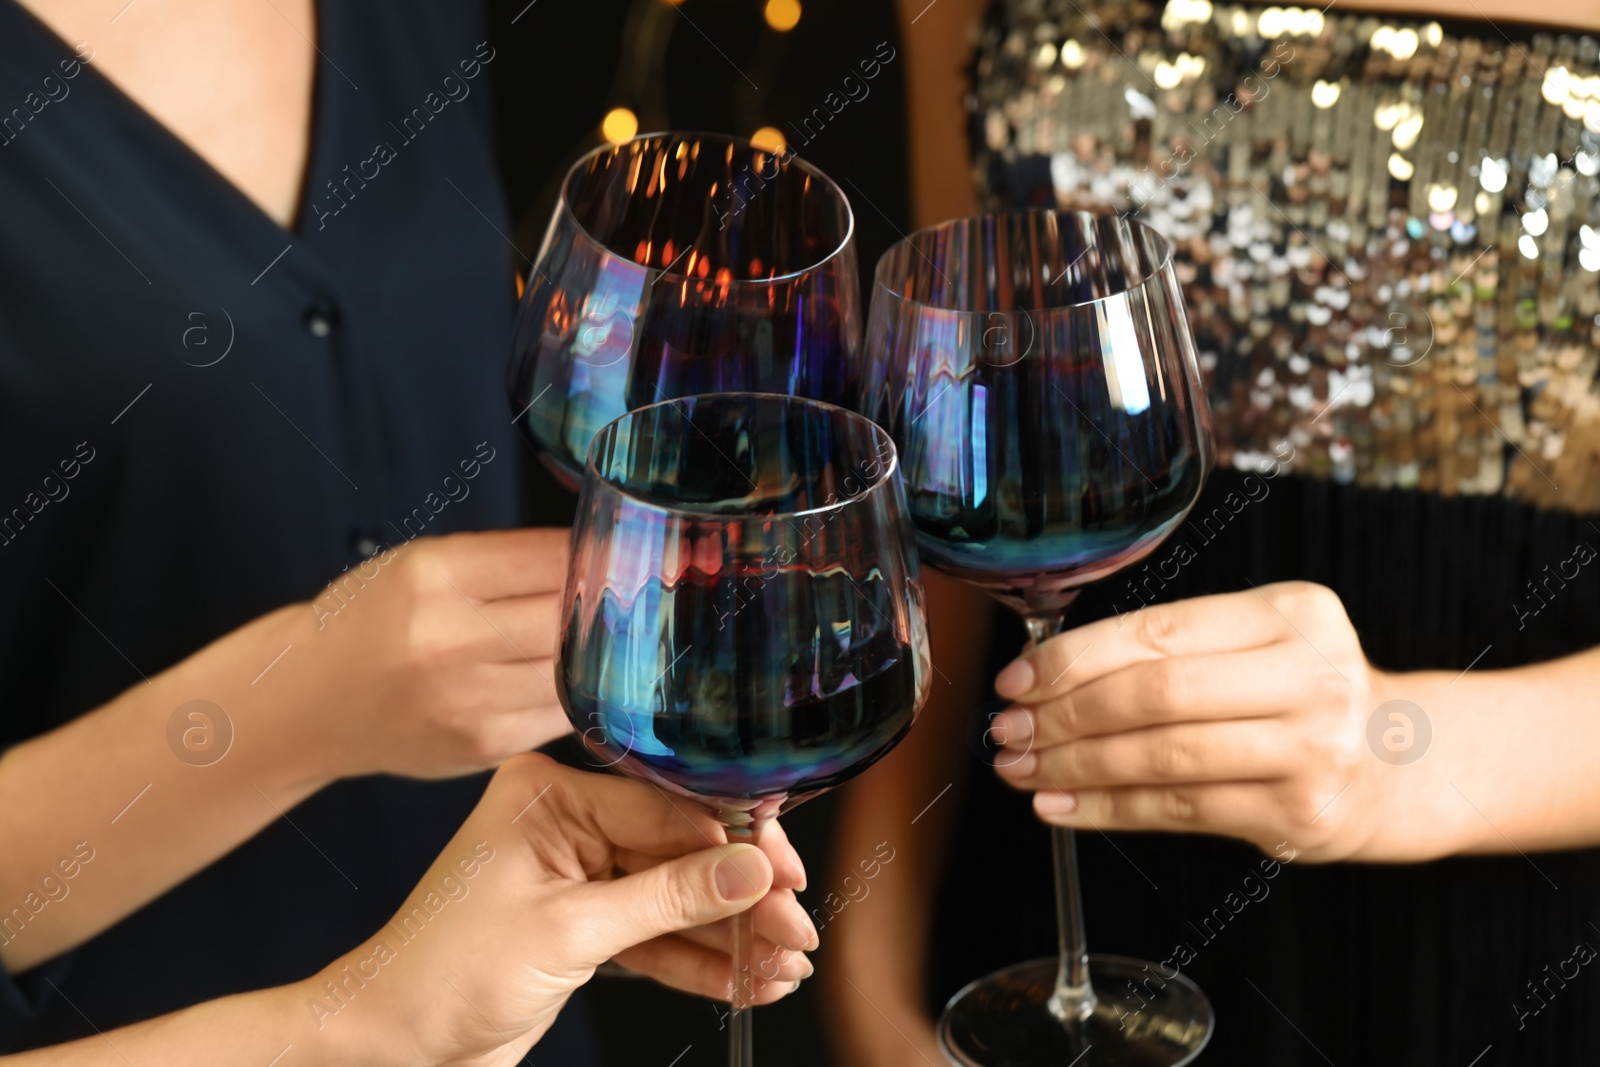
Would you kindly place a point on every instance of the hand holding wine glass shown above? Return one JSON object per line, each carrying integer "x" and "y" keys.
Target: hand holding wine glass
{"x": 554, "y": 872}
{"x": 433, "y": 658}
{"x": 1245, "y": 714}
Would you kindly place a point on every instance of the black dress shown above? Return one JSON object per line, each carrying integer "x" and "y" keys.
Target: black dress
{"x": 1429, "y": 525}
{"x": 204, "y": 417}
{"x": 1422, "y": 966}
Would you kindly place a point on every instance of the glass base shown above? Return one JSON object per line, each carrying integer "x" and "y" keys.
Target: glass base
{"x": 1141, "y": 1020}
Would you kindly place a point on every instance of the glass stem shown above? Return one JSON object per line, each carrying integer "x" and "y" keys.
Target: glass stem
{"x": 741, "y": 1043}
{"x": 1074, "y": 997}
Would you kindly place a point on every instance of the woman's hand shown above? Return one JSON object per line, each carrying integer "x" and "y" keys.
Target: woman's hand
{"x": 429, "y": 660}
{"x": 1244, "y": 714}
{"x": 555, "y": 872}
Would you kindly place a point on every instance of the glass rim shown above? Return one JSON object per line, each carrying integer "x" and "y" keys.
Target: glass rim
{"x": 592, "y": 474}
{"x": 564, "y": 204}
{"x": 1165, "y": 266}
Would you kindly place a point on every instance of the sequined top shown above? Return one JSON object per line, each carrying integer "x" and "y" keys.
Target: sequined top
{"x": 1388, "y": 229}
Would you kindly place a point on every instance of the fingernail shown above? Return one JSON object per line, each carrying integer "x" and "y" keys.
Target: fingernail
{"x": 1021, "y": 767}
{"x": 810, "y": 969}
{"x": 1015, "y": 680}
{"x": 1048, "y": 804}
{"x": 802, "y": 933}
{"x": 1014, "y": 726}
{"x": 813, "y": 939}
{"x": 739, "y": 875}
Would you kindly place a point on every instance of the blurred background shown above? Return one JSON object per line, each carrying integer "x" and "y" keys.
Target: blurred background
{"x": 570, "y": 74}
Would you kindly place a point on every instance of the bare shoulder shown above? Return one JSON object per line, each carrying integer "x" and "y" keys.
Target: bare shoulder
{"x": 1579, "y": 15}
{"x": 954, "y": 16}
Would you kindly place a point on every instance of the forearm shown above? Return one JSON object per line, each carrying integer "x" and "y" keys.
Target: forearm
{"x": 938, "y": 49}
{"x": 1579, "y": 15}
{"x": 104, "y": 814}
{"x": 887, "y": 951}
{"x": 909, "y": 801}
{"x": 248, "y": 1030}
{"x": 1514, "y": 759}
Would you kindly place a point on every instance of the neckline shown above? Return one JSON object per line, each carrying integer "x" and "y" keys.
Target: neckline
{"x": 138, "y": 114}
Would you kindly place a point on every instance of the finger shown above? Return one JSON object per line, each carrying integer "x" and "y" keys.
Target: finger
{"x": 787, "y": 870}
{"x": 512, "y": 688}
{"x": 682, "y": 964}
{"x": 1226, "y": 622}
{"x": 778, "y": 916}
{"x": 1246, "y": 810}
{"x": 505, "y": 563}
{"x": 641, "y": 816}
{"x": 1224, "y": 685}
{"x": 1235, "y": 750}
{"x": 619, "y": 813}
{"x": 518, "y": 686}
{"x": 518, "y": 629}
{"x": 670, "y": 897}
{"x": 632, "y": 861}
{"x": 511, "y": 733}
{"x": 491, "y": 721}
{"x": 773, "y": 962}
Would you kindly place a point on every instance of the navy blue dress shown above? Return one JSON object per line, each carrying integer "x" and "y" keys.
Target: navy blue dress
{"x": 204, "y": 416}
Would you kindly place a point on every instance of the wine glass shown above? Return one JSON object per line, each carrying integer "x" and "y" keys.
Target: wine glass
{"x": 1038, "y": 375}
{"x": 743, "y": 620}
{"x": 683, "y": 263}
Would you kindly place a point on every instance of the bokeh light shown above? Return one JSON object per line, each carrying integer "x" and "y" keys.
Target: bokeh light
{"x": 783, "y": 15}
{"x": 619, "y": 125}
{"x": 769, "y": 139}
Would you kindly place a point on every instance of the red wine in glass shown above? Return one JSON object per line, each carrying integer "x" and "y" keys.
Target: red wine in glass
{"x": 743, "y": 619}
{"x": 678, "y": 264}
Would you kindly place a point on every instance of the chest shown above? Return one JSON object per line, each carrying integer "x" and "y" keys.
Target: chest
{"x": 234, "y": 82}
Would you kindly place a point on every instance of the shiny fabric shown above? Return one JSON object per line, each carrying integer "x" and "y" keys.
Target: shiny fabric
{"x": 1389, "y": 227}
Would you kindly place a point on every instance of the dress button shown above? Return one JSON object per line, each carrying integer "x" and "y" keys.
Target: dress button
{"x": 320, "y": 318}
{"x": 366, "y": 540}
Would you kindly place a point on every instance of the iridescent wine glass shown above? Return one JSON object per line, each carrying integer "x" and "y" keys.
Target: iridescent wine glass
{"x": 1037, "y": 372}
{"x": 743, "y": 620}
{"x": 676, "y": 264}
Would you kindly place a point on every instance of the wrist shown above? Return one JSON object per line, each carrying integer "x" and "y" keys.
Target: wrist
{"x": 352, "y": 1024}
{"x": 272, "y": 701}
{"x": 308, "y": 748}
{"x": 1424, "y": 815}
{"x": 315, "y": 1046}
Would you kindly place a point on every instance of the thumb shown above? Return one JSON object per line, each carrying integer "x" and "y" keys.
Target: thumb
{"x": 686, "y": 892}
